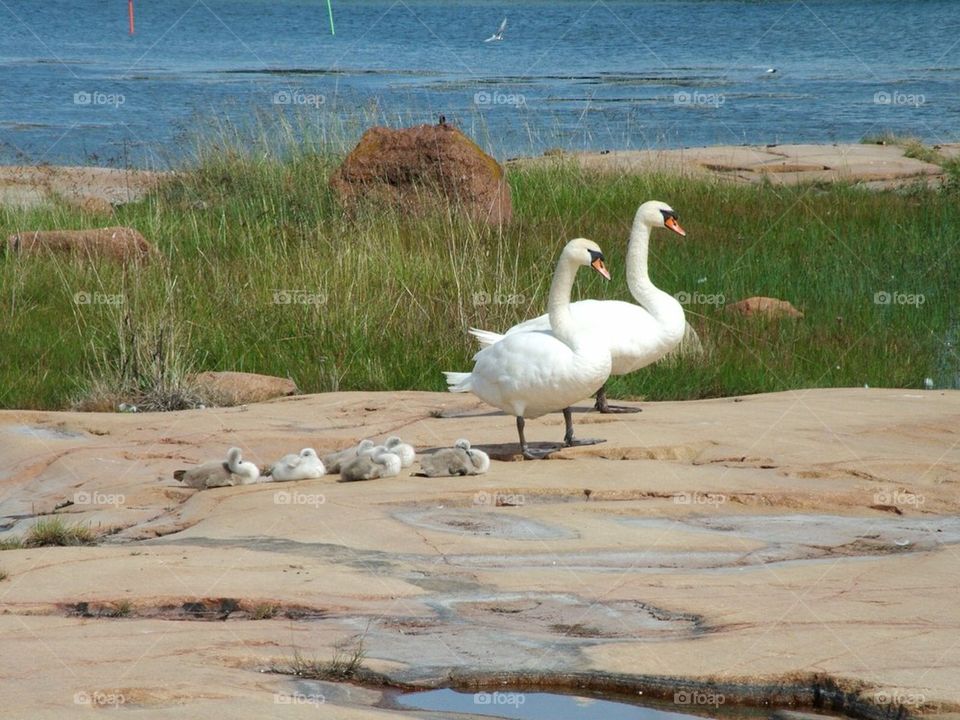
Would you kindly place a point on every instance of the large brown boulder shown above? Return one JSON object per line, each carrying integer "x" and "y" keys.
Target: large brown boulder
{"x": 413, "y": 167}
{"x": 113, "y": 243}
{"x": 240, "y": 388}
{"x": 766, "y": 306}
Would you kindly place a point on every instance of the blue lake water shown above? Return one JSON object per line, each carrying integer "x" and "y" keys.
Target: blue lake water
{"x": 76, "y": 87}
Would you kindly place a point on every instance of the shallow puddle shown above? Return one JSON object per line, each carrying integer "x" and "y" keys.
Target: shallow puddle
{"x": 548, "y": 706}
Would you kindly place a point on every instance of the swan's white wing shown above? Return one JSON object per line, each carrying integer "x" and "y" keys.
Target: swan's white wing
{"x": 534, "y": 373}
{"x": 503, "y": 26}
{"x": 634, "y": 336}
{"x": 492, "y": 37}
{"x": 487, "y": 337}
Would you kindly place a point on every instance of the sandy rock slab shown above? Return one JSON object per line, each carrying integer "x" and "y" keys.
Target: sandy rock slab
{"x": 93, "y": 189}
{"x": 237, "y": 388}
{"x": 880, "y": 166}
{"x": 763, "y": 544}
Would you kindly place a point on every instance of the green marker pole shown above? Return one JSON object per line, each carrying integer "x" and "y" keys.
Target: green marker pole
{"x": 330, "y": 13}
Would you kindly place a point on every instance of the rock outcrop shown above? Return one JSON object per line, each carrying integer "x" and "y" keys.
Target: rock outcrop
{"x": 123, "y": 244}
{"x": 416, "y": 167}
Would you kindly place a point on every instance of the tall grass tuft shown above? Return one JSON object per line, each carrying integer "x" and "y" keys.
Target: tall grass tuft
{"x": 54, "y": 531}
{"x": 346, "y": 663}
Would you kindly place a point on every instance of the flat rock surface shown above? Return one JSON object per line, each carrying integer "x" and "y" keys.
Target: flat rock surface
{"x": 30, "y": 186}
{"x": 879, "y": 166}
{"x": 237, "y": 388}
{"x": 763, "y": 539}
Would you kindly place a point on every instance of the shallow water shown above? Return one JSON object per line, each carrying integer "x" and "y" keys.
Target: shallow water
{"x": 75, "y": 88}
{"x": 544, "y": 706}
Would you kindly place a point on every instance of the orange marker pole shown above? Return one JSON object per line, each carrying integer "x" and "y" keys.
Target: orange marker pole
{"x": 130, "y": 14}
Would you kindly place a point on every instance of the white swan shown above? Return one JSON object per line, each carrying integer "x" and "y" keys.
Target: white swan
{"x": 529, "y": 374}
{"x": 461, "y": 459}
{"x": 498, "y": 35}
{"x": 637, "y": 335}
{"x": 398, "y": 447}
{"x": 333, "y": 461}
{"x": 303, "y": 466}
{"x": 220, "y": 473}
{"x": 378, "y": 463}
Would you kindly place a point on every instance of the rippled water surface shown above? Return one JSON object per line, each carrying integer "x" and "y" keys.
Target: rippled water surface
{"x": 76, "y": 87}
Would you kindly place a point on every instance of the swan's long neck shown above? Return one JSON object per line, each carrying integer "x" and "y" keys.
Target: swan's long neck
{"x": 638, "y": 276}
{"x": 558, "y": 306}
{"x": 654, "y": 300}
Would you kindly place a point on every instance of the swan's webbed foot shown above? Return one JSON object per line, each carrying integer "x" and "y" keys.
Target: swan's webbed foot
{"x": 568, "y": 439}
{"x": 576, "y": 442}
{"x": 602, "y": 406}
{"x": 539, "y": 453}
{"x": 528, "y": 452}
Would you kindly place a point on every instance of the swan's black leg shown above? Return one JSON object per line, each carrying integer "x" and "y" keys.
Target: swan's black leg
{"x": 568, "y": 439}
{"x": 604, "y": 407}
{"x": 527, "y": 452}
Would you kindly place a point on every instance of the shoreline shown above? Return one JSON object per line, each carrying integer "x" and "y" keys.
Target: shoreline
{"x": 873, "y": 165}
{"x": 876, "y": 166}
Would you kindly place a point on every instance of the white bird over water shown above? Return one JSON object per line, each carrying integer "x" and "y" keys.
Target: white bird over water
{"x": 498, "y": 35}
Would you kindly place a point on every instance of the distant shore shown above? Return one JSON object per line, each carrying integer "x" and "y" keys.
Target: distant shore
{"x": 880, "y": 166}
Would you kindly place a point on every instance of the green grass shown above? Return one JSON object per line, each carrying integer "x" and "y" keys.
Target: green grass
{"x": 912, "y": 147}
{"x": 11, "y": 543}
{"x": 240, "y": 231}
{"x": 54, "y": 531}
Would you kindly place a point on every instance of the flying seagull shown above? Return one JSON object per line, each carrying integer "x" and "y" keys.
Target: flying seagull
{"x": 498, "y": 35}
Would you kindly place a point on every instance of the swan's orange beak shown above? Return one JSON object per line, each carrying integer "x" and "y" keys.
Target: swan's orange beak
{"x": 600, "y": 267}
{"x": 671, "y": 222}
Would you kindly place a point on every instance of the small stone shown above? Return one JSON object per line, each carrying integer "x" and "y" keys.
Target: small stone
{"x": 119, "y": 243}
{"x": 767, "y": 306}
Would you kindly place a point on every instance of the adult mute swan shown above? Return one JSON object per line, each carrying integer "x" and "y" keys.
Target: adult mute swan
{"x": 637, "y": 335}
{"x": 220, "y": 473}
{"x": 303, "y": 466}
{"x": 529, "y": 374}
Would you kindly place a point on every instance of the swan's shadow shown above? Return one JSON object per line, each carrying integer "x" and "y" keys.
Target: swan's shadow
{"x": 504, "y": 452}
{"x": 457, "y": 415}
